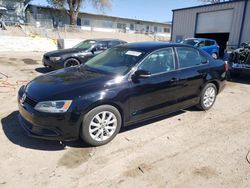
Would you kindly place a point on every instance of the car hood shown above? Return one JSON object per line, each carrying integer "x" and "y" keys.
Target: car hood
{"x": 66, "y": 84}
{"x": 65, "y": 51}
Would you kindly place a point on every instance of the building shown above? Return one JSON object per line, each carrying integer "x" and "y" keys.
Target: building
{"x": 228, "y": 23}
{"x": 49, "y": 17}
{"x": 15, "y": 11}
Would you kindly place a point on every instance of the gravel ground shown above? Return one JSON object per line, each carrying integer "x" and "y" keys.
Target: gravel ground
{"x": 186, "y": 149}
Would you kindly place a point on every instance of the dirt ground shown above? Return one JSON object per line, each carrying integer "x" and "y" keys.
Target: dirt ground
{"x": 186, "y": 149}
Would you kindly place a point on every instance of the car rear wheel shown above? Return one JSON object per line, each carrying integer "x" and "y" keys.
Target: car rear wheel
{"x": 71, "y": 62}
{"x": 215, "y": 55}
{"x": 208, "y": 97}
{"x": 101, "y": 125}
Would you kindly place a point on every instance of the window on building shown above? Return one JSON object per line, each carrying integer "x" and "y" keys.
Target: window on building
{"x": 166, "y": 30}
{"x": 107, "y": 24}
{"x": 121, "y": 26}
{"x": 132, "y": 27}
{"x": 155, "y": 29}
{"x": 85, "y": 22}
{"x": 160, "y": 29}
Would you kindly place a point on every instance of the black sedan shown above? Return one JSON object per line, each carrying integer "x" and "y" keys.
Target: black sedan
{"x": 79, "y": 54}
{"x": 124, "y": 85}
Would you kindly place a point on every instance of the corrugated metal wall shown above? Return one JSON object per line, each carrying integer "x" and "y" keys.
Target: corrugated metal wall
{"x": 246, "y": 29}
{"x": 184, "y": 21}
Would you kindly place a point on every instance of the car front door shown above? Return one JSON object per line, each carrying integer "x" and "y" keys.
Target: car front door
{"x": 192, "y": 71}
{"x": 156, "y": 94}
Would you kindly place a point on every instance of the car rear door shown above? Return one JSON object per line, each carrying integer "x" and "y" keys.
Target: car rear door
{"x": 192, "y": 71}
{"x": 157, "y": 94}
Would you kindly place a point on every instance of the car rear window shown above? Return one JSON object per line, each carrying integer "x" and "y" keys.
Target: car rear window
{"x": 189, "y": 57}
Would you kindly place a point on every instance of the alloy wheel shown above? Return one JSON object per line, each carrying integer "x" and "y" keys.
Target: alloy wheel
{"x": 209, "y": 97}
{"x": 103, "y": 126}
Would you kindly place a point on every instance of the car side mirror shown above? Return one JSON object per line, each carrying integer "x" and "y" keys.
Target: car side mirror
{"x": 141, "y": 74}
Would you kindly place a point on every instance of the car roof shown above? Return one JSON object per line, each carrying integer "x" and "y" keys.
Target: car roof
{"x": 199, "y": 39}
{"x": 151, "y": 46}
{"x": 105, "y": 39}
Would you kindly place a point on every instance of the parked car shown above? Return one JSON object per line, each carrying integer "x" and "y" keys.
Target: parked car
{"x": 239, "y": 60}
{"x": 124, "y": 85}
{"x": 79, "y": 54}
{"x": 208, "y": 45}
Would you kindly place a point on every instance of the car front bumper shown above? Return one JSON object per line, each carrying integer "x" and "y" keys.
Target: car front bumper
{"x": 61, "y": 127}
{"x": 53, "y": 65}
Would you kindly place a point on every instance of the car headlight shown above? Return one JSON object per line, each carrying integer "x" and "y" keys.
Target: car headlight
{"x": 53, "y": 106}
{"x": 55, "y": 58}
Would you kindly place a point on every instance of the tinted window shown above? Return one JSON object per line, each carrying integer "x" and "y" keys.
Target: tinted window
{"x": 85, "y": 44}
{"x": 209, "y": 43}
{"x": 202, "y": 44}
{"x": 189, "y": 57}
{"x": 159, "y": 62}
{"x": 113, "y": 43}
{"x": 102, "y": 45}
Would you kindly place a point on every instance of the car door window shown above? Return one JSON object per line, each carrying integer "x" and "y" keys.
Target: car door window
{"x": 102, "y": 46}
{"x": 113, "y": 43}
{"x": 201, "y": 44}
{"x": 208, "y": 43}
{"x": 159, "y": 62}
{"x": 189, "y": 57}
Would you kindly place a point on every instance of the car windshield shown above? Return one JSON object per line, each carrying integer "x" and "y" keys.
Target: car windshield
{"x": 118, "y": 60}
{"x": 85, "y": 44}
{"x": 192, "y": 42}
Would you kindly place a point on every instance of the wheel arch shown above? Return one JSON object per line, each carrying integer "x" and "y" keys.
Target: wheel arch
{"x": 107, "y": 102}
{"x": 216, "y": 83}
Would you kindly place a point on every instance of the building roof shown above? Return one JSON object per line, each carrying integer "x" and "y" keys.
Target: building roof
{"x": 207, "y": 5}
{"x": 107, "y": 16}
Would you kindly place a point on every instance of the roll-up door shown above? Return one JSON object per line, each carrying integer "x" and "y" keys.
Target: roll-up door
{"x": 215, "y": 22}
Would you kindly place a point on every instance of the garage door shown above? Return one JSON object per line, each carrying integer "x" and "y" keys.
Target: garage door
{"x": 215, "y": 22}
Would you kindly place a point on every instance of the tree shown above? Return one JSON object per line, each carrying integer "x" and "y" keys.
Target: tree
{"x": 72, "y": 7}
{"x": 215, "y": 1}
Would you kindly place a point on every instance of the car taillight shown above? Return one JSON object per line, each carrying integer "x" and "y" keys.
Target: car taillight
{"x": 226, "y": 66}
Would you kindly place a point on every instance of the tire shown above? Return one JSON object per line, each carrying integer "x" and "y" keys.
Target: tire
{"x": 71, "y": 62}
{"x": 97, "y": 133}
{"x": 206, "y": 101}
{"x": 215, "y": 55}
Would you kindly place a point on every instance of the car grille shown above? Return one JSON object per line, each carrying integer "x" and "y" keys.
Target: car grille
{"x": 30, "y": 101}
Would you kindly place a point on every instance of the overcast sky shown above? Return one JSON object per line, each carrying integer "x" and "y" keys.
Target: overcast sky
{"x": 153, "y": 10}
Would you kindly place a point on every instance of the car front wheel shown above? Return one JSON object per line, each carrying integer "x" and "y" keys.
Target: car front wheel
{"x": 71, "y": 62}
{"x": 100, "y": 125}
{"x": 208, "y": 97}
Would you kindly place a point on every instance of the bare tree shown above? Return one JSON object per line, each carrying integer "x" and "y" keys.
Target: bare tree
{"x": 72, "y": 7}
{"x": 215, "y": 1}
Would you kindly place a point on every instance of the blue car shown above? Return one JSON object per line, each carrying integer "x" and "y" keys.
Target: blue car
{"x": 208, "y": 45}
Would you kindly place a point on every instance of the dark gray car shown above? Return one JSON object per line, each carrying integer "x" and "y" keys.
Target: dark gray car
{"x": 79, "y": 54}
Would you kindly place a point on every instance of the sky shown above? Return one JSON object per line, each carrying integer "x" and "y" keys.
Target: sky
{"x": 151, "y": 10}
